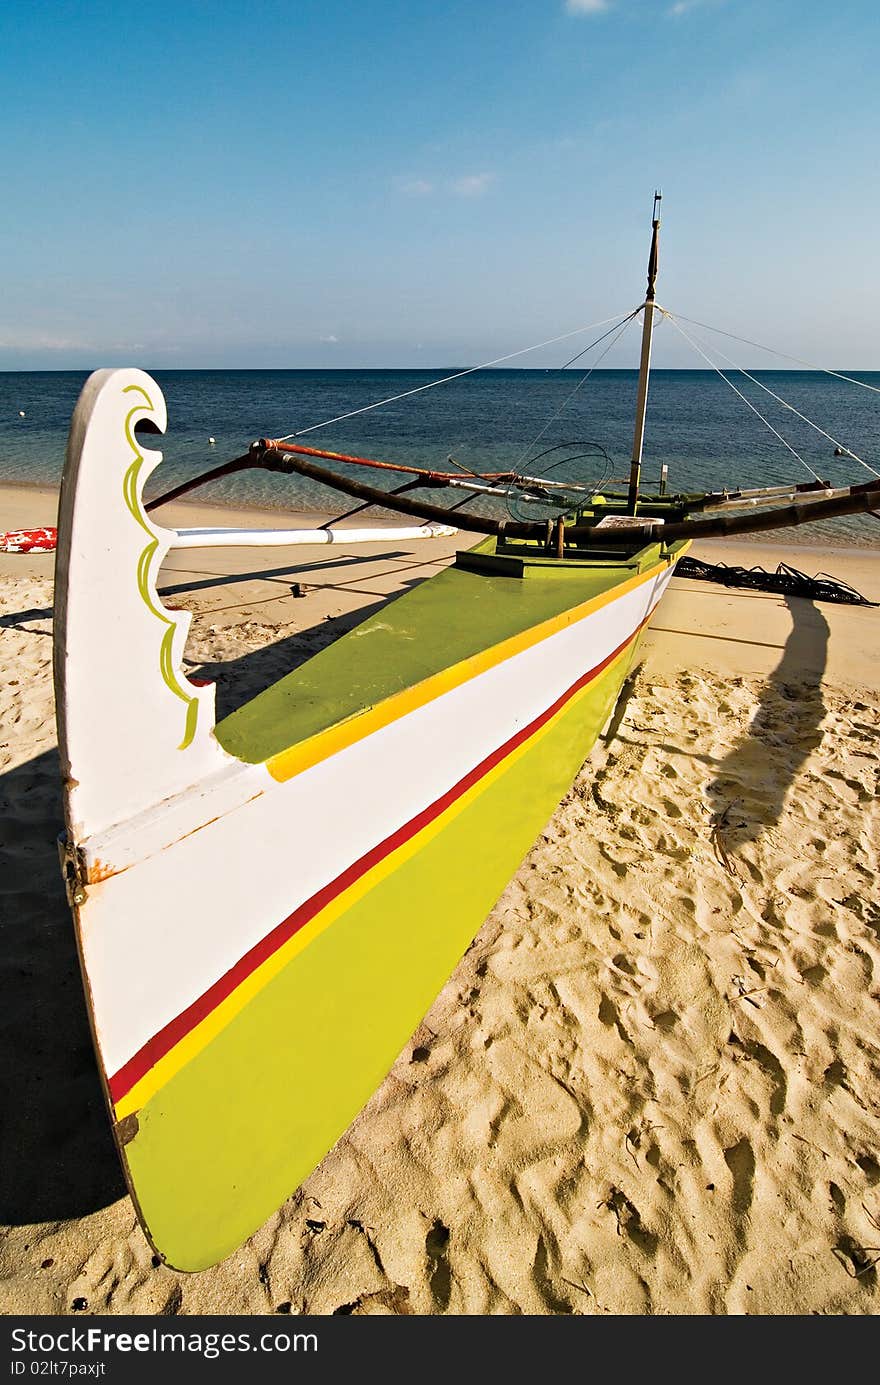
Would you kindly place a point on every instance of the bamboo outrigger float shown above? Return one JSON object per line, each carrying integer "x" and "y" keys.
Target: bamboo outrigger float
{"x": 267, "y": 905}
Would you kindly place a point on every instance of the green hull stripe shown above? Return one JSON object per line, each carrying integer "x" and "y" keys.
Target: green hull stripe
{"x": 232, "y": 1134}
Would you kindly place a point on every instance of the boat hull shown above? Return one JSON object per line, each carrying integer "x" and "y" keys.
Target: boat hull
{"x": 241, "y": 1125}
{"x": 239, "y": 1100}
{"x": 266, "y": 910}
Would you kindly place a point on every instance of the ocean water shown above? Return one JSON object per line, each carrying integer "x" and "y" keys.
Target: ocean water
{"x": 492, "y": 420}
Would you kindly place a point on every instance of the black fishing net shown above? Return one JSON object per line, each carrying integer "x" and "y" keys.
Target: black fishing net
{"x": 786, "y": 580}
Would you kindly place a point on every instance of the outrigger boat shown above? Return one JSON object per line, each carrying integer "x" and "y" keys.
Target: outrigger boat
{"x": 267, "y": 905}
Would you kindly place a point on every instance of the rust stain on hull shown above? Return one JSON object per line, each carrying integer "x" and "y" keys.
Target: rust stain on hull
{"x": 126, "y": 1129}
{"x": 99, "y": 871}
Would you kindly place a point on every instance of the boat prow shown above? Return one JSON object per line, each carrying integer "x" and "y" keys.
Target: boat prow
{"x": 267, "y": 907}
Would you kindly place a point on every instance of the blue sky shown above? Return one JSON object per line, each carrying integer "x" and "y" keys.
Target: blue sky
{"x": 333, "y": 183}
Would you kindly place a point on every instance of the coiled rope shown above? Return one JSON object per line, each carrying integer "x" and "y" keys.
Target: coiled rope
{"x": 786, "y": 580}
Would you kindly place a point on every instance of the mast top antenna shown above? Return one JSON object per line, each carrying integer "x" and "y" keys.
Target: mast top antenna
{"x": 658, "y": 198}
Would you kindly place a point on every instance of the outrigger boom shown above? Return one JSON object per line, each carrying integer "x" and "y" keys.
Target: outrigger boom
{"x": 283, "y": 538}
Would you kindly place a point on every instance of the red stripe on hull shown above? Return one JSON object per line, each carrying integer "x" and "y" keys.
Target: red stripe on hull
{"x": 172, "y": 1033}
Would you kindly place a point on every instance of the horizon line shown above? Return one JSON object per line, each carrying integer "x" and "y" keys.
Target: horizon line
{"x": 429, "y": 370}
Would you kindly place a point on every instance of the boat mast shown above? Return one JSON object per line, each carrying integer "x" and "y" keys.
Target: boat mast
{"x": 645, "y": 363}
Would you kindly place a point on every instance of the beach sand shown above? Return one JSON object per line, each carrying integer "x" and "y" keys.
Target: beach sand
{"x": 653, "y": 1083}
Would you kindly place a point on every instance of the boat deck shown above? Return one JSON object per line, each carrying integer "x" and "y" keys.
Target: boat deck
{"x": 485, "y": 599}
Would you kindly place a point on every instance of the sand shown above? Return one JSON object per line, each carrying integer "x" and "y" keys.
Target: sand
{"x": 653, "y": 1083}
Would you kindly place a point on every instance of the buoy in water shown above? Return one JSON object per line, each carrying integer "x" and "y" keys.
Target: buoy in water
{"x": 212, "y": 441}
{"x": 21, "y": 413}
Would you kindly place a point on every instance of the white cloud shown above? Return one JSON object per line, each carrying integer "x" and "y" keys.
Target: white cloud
{"x": 587, "y": 6}
{"x": 472, "y": 184}
{"x": 685, "y": 6}
{"x": 467, "y": 185}
{"x": 415, "y": 187}
{"x": 330, "y": 339}
{"x": 30, "y": 339}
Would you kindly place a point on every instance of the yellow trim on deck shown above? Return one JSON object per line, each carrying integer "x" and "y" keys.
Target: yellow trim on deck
{"x": 321, "y": 746}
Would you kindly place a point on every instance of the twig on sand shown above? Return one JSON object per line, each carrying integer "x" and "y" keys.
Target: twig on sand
{"x": 854, "y": 1257}
{"x": 744, "y": 994}
{"x": 817, "y": 1148}
{"x": 721, "y": 823}
{"x": 858, "y": 1255}
{"x": 581, "y": 1287}
{"x": 633, "y": 1139}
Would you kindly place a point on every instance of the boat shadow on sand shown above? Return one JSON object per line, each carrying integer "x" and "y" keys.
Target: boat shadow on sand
{"x": 751, "y": 784}
{"x": 57, "y": 1157}
{"x": 237, "y": 680}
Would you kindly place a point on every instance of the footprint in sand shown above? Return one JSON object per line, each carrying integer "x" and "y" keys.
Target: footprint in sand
{"x": 740, "y": 1159}
{"x": 544, "y": 1283}
{"x": 815, "y": 975}
{"x": 770, "y": 1064}
{"x": 835, "y": 1074}
{"x": 439, "y": 1275}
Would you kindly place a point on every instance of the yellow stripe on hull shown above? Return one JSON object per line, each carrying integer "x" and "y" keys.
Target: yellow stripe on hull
{"x": 319, "y": 747}
{"x": 202, "y": 1034}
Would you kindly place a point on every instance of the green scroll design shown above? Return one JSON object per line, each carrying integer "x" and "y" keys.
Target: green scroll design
{"x": 130, "y": 494}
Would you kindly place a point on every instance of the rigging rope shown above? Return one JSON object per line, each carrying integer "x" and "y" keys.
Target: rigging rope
{"x": 678, "y": 327}
{"x": 565, "y": 403}
{"x": 785, "y": 404}
{"x": 576, "y": 357}
{"x": 459, "y": 374}
{"x": 783, "y": 355}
